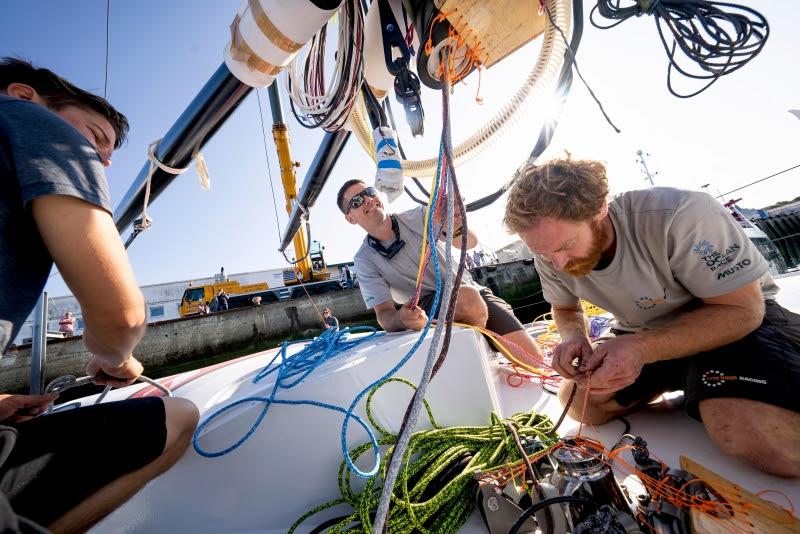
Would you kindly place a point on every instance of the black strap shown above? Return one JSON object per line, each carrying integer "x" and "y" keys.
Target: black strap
{"x": 390, "y": 251}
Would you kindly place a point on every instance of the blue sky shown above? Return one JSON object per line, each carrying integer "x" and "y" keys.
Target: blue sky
{"x": 161, "y": 53}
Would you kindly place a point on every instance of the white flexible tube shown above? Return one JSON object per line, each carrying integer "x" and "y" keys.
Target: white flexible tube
{"x": 538, "y": 83}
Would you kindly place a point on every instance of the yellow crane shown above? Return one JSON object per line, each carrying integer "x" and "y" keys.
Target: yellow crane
{"x": 310, "y": 265}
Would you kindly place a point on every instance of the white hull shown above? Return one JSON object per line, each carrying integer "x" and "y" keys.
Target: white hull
{"x": 290, "y": 463}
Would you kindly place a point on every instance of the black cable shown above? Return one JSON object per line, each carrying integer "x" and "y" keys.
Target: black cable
{"x": 388, "y": 109}
{"x": 549, "y": 502}
{"x": 627, "y": 425}
{"x": 108, "y": 21}
{"x": 566, "y": 408}
{"x": 562, "y": 89}
{"x": 577, "y": 70}
{"x": 415, "y": 199}
{"x": 718, "y": 37}
{"x": 269, "y": 167}
{"x": 757, "y": 181}
{"x": 447, "y": 143}
{"x": 534, "y": 480}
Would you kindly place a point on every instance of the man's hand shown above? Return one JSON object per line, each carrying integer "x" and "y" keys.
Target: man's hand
{"x": 566, "y": 352}
{"x": 615, "y": 364}
{"x": 116, "y": 376}
{"x": 18, "y": 408}
{"x": 413, "y": 318}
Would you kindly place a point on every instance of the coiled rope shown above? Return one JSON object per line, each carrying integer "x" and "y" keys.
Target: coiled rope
{"x": 718, "y": 37}
{"x": 289, "y": 371}
{"x": 434, "y": 491}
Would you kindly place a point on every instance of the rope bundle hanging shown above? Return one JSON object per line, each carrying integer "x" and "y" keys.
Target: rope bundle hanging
{"x": 313, "y": 103}
{"x": 718, "y": 37}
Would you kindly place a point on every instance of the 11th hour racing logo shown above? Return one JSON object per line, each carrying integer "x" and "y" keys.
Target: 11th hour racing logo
{"x": 722, "y": 262}
{"x": 714, "y": 378}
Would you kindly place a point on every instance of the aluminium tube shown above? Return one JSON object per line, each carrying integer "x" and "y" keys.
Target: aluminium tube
{"x": 327, "y": 154}
{"x": 212, "y": 106}
{"x": 39, "y": 345}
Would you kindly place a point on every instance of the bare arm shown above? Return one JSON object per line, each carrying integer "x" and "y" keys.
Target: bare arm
{"x": 393, "y": 320}
{"x": 571, "y": 322}
{"x": 719, "y": 321}
{"x": 87, "y": 250}
{"x": 571, "y": 325}
{"x": 472, "y": 239}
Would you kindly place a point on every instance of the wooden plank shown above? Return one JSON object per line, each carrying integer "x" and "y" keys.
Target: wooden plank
{"x": 759, "y": 515}
{"x": 494, "y": 29}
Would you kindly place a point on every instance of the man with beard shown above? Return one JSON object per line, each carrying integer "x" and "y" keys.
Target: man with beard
{"x": 687, "y": 288}
{"x": 388, "y": 261}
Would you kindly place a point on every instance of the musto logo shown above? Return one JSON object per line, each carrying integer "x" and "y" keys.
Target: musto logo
{"x": 714, "y": 378}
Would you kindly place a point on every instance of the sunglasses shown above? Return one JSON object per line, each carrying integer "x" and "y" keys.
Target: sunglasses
{"x": 358, "y": 199}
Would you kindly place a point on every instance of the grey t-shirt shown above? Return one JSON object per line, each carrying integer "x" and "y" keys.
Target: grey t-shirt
{"x": 40, "y": 154}
{"x": 382, "y": 279}
{"x": 673, "y": 248}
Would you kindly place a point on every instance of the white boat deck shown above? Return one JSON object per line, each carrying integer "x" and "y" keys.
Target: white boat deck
{"x": 290, "y": 464}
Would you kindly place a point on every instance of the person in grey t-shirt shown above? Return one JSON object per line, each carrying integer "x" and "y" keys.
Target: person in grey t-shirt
{"x": 387, "y": 264}
{"x": 693, "y": 308}
{"x": 55, "y": 139}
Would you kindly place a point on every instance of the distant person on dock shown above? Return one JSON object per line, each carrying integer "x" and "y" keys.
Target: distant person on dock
{"x": 693, "y": 307}
{"x": 331, "y": 322}
{"x": 202, "y": 308}
{"x": 387, "y": 265}
{"x": 70, "y": 469}
{"x": 222, "y": 300}
{"x": 256, "y": 301}
{"x": 67, "y": 324}
{"x": 214, "y": 306}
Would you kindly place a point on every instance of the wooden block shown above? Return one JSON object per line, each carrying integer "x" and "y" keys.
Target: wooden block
{"x": 760, "y": 515}
{"x": 494, "y": 29}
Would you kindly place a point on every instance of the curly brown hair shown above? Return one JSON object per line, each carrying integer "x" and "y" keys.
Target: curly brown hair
{"x": 565, "y": 189}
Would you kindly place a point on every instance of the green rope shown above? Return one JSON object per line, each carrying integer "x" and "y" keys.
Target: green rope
{"x": 429, "y": 454}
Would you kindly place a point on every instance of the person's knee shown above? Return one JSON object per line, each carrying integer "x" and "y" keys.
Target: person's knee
{"x": 594, "y": 412}
{"x": 181, "y": 420}
{"x": 470, "y": 307}
{"x": 756, "y": 435}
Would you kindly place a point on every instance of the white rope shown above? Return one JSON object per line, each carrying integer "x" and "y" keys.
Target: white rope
{"x": 202, "y": 172}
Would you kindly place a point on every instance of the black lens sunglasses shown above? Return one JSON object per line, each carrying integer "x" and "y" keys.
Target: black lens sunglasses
{"x": 358, "y": 199}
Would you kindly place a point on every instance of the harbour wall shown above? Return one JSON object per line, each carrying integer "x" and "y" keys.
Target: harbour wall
{"x": 190, "y": 338}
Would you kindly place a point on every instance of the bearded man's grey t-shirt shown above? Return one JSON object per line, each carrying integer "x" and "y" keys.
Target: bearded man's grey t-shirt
{"x": 40, "y": 154}
{"x": 382, "y": 279}
{"x": 673, "y": 248}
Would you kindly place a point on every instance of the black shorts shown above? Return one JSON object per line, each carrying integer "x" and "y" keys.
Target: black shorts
{"x": 61, "y": 459}
{"x": 763, "y": 366}
{"x": 501, "y": 318}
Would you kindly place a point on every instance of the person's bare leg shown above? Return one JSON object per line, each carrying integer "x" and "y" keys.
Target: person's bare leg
{"x": 600, "y": 408}
{"x": 523, "y": 340}
{"x": 470, "y": 307}
{"x": 181, "y": 421}
{"x": 766, "y": 437}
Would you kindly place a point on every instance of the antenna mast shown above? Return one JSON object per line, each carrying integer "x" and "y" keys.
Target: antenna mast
{"x": 641, "y": 160}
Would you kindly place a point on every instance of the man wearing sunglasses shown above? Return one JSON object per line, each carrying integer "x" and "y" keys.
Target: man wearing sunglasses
{"x": 388, "y": 261}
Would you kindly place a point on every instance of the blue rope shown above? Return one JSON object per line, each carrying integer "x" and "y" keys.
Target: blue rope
{"x": 435, "y": 261}
{"x": 292, "y": 370}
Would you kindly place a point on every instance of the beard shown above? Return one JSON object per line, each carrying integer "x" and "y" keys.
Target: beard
{"x": 583, "y": 266}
